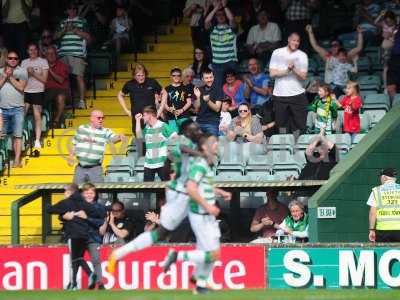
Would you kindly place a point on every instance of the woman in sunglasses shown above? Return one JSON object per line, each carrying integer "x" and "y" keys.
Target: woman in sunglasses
{"x": 245, "y": 128}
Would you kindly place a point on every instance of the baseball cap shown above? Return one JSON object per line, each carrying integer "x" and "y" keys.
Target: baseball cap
{"x": 390, "y": 172}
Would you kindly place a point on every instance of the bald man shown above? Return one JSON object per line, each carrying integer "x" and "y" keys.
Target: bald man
{"x": 89, "y": 145}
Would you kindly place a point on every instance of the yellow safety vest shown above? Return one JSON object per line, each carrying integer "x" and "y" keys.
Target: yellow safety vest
{"x": 387, "y": 200}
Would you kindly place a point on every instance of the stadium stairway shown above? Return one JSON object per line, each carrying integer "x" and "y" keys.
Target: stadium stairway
{"x": 172, "y": 50}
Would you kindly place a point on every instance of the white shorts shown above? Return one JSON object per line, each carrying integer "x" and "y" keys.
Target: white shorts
{"x": 206, "y": 230}
{"x": 174, "y": 210}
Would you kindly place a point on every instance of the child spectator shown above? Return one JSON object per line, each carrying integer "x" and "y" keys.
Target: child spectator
{"x": 325, "y": 110}
{"x": 351, "y": 104}
{"x": 120, "y": 27}
{"x": 226, "y": 117}
{"x": 231, "y": 87}
{"x": 340, "y": 72}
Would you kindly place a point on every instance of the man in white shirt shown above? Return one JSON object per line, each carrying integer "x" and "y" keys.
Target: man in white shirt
{"x": 263, "y": 37}
{"x": 289, "y": 67}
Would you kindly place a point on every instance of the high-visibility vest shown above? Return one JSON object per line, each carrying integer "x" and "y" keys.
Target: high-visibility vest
{"x": 387, "y": 200}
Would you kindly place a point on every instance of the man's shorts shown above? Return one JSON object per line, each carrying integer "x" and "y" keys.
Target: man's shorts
{"x": 76, "y": 65}
{"x": 13, "y": 121}
{"x": 206, "y": 230}
{"x": 51, "y": 94}
{"x": 174, "y": 210}
{"x": 34, "y": 98}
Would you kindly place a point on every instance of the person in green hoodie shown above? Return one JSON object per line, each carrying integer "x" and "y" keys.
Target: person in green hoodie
{"x": 324, "y": 111}
{"x": 296, "y": 223}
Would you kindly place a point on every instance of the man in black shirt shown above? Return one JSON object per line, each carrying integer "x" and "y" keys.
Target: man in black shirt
{"x": 208, "y": 105}
{"x": 175, "y": 101}
{"x": 143, "y": 91}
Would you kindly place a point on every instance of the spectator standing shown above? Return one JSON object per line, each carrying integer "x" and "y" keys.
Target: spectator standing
{"x": 38, "y": 71}
{"x": 155, "y": 135}
{"x": 266, "y": 216}
{"x": 245, "y": 128}
{"x": 264, "y": 37}
{"x": 340, "y": 72}
{"x": 289, "y": 67}
{"x": 384, "y": 226}
{"x": 89, "y": 145}
{"x": 176, "y": 101}
{"x": 12, "y": 85}
{"x": 200, "y": 64}
{"x": 95, "y": 14}
{"x": 255, "y": 87}
{"x": 208, "y": 104}
{"x": 195, "y": 10}
{"x": 73, "y": 37}
{"x": 231, "y": 88}
{"x": 57, "y": 86}
{"x": 46, "y": 41}
{"x": 143, "y": 91}
{"x": 223, "y": 41}
{"x": 118, "y": 228}
{"x": 15, "y": 24}
{"x": 120, "y": 27}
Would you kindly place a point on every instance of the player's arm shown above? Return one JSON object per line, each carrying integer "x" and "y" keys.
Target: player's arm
{"x": 192, "y": 152}
{"x": 224, "y": 194}
{"x": 192, "y": 189}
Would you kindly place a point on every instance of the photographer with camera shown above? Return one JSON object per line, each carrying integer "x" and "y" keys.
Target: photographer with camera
{"x": 117, "y": 228}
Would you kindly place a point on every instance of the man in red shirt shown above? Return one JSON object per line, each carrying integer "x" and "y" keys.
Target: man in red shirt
{"x": 57, "y": 86}
{"x": 272, "y": 212}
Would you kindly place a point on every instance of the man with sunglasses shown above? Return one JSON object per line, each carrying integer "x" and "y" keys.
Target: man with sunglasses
{"x": 89, "y": 145}
{"x": 13, "y": 80}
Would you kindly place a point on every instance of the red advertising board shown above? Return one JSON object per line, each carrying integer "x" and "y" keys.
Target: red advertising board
{"x": 240, "y": 267}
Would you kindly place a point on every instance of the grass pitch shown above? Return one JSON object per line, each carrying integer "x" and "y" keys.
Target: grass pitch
{"x": 224, "y": 295}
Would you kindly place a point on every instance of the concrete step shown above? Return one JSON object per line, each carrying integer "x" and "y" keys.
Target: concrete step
{"x": 169, "y": 38}
{"x": 178, "y": 47}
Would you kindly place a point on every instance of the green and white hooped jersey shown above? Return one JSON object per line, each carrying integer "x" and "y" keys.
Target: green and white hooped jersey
{"x": 181, "y": 164}
{"x": 201, "y": 173}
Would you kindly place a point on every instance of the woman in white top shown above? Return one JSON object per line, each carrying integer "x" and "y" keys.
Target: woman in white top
{"x": 38, "y": 70}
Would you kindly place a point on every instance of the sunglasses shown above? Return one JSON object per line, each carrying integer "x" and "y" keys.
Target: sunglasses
{"x": 243, "y": 110}
{"x": 12, "y": 58}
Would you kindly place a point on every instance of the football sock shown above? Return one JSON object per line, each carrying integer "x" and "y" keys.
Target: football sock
{"x": 196, "y": 256}
{"x": 142, "y": 241}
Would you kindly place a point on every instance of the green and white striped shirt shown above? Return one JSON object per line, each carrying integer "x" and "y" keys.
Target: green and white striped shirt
{"x": 72, "y": 44}
{"x": 156, "y": 139}
{"x": 201, "y": 173}
{"x": 90, "y": 144}
{"x": 181, "y": 164}
{"x": 223, "y": 44}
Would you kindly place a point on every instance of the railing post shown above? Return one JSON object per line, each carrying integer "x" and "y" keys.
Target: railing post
{"x": 15, "y": 226}
{"x": 46, "y": 218}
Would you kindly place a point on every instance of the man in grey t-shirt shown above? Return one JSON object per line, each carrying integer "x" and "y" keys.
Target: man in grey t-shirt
{"x": 13, "y": 80}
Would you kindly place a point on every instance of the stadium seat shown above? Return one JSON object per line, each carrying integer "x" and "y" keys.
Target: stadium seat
{"x": 364, "y": 65}
{"x": 230, "y": 175}
{"x": 376, "y": 101}
{"x": 365, "y": 123}
{"x": 375, "y": 115}
{"x": 304, "y": 140}
{"x": 342, "y": 141}
{"x": 369, "y": 82}
{"x": 139, "y": 169}
{"x": 281, "y": 142}
{"x": 357, "y": 139}
{"x": 300, "y": 159}
{"x": 252, "y": 199}
{"x": 396, "y": 100}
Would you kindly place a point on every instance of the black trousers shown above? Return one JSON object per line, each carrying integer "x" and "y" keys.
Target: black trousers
{"x": 388, "y": 236}
{"x": 150, "y": 174}
{"x": 77, "y": 250}
{"x": 290, "y": 113}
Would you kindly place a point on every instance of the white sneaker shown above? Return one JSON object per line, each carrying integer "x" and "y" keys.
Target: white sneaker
{"x": 82, "y": 104}
{"x": 38, "y": 145}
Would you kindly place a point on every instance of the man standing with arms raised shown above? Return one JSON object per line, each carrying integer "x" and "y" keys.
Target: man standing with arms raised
{"x": 289, "y": 67}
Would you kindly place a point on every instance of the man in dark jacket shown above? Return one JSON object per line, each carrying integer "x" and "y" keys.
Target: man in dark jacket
{"x": 74, "y": 211}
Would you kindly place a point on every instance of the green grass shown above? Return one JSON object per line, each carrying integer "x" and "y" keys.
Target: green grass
{"x": 186, "y": 295}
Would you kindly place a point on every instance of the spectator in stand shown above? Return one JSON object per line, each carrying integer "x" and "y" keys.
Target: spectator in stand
{"x": 175, "y": 101}
{"x": 340, "y": 72}
{"x": 264, "y": 37}
{"x": 46, "y": 41}
{"x": 12, "y": 85}
{"x": 208, "y": 104}
{"x": 200, "y": 64}
{"x": 226, "y": 117}
{"x": 365, "y": 16}
{"x": 295, "y": 225}
{"x": 73, "y": 36}
{"x": 155, "y": 135}
{"x": 95, "y": 239}
{"x": 289, "y": 67}
{"x": 223, "y": 41}
{"x": 120, "y": 27}
{"x": 95, "y": 14}
{"x": 321, "y": 156}
{"x": 231, "y": 88}
{"x": 324, "y": 111}
{"x": 255, "y": 87}
{"x": 89, "y": 145}
{"x": 117, "y": 228}
{"x": 187, "y": 81}
{"x": 387, "y": 22}
{"x": 267, "y": 118}
{"x": 195, "y": 10}
{"x": 38, "y": 71}
{"x": 331, "y": 57}
{"x": 143, "y": 91}
{"x": 249, "y": 11}
{"x": 245, "y": 128}
{"x": 351, "y": 103}
{"x": 57, "y": 86}
{"x": 15, "y": 24}
{"x": 266, "y": 216}
{"x": 393, "y": 74}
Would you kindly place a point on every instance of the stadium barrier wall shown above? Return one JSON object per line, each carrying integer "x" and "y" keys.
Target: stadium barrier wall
{"x": 242, "y": 266}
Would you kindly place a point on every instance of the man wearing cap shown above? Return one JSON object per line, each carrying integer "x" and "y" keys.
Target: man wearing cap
{"x": 384, "y": 213}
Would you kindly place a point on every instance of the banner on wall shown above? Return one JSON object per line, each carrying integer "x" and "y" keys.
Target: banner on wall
{"x": 334, "y": 268}
{"x": 32, "y": 268}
